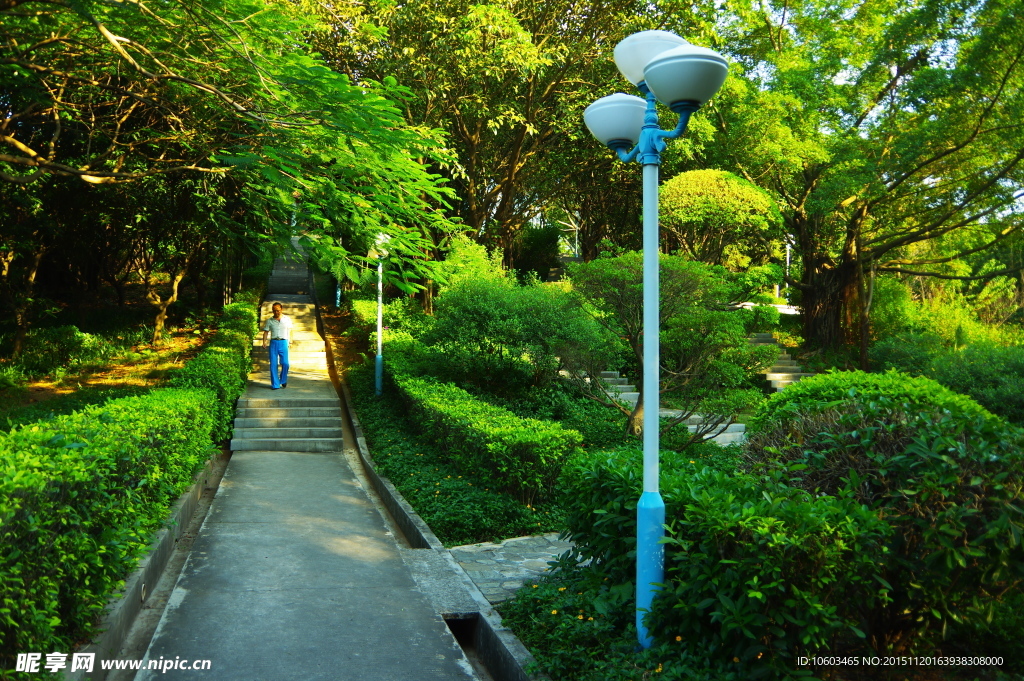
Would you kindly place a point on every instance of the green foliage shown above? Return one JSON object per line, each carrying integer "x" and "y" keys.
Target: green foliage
{"x": 64, "y": 347}
{"x": 223, "y": 364}
{"x": 908, "y": 351}
{"x": 761, "y": 319}
{"x": 580, "y": 628}
{"x": 504, "y": 337}
{"x": 941, "y": 471}
{"x": 815, "y": 392}
{"x": 521, "y": 456}
{"x": 459, "y": 505}
{"x": 720, "y": 218}
{"x": 536, "y": 251}
{"x": 708, "y": 367}
{"x": 991, "y": 374}
{"x": 756, "y": 570}
{"x": 761, "y": 572}
{"x": 601, "y": 489}
{"x": 79, "y": 497}
{"x": 66, "y": 404}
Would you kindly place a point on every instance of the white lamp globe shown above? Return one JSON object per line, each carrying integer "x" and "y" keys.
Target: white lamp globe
{"x": 634, "y": 52}
{"x": 686, "y": 74}
{"x": 616, "y": 118}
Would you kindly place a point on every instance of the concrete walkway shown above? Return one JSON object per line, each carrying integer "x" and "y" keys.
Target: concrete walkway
{"x": 294, "y": 574}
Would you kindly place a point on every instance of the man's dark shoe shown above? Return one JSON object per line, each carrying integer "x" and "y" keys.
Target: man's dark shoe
{"x": 284, "y": 385}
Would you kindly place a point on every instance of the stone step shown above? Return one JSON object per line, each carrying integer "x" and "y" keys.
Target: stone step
{"x": 619, "y": 380}
{"x": 288, "y": 402}
{"x": 284, "y": 422}
{"x": 787, "y": 376}
{"x": 330, "y": 444}
{"x": 608, "y": 374}
{"x": 623, "y": 388}
{"x": 631, "y": 398}
{"x": 731, "y": 428}
{"x": 287, "y": 412}
{"x": 297, "y": 345}
{"x": 287, "y": 433}
{"x": 729, "y": 438}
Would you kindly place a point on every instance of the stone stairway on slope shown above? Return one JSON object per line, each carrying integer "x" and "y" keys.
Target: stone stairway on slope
{"x": 785, "y": 371}
{"x": 305, "y": 416}
{"x": 623, "y": 391}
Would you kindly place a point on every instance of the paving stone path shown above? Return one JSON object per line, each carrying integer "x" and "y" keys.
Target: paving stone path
{"x": 499, "y": 570}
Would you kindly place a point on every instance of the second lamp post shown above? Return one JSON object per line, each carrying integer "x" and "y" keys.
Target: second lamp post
{"x": 665, "y": 68}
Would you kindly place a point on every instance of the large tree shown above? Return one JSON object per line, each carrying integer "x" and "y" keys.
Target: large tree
{"x": 508, "y": 81}
{"x": 882, "y": 127}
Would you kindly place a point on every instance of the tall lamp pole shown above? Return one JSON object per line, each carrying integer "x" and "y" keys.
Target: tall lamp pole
{"x": 665, "y": 68}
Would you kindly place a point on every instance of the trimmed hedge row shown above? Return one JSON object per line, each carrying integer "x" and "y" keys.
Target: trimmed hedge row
{"x": 81, "y": 494}
{"x": 223, "y": 364}
{"x": 519, "y": 455}
{"x": 79, "y": 497}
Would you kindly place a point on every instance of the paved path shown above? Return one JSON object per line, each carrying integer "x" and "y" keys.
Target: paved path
{"x": 499, "y": 570}
{"x": 294, "y": 574}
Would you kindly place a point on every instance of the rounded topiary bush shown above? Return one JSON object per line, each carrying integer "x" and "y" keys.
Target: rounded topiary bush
{"x": 938, "y": 468}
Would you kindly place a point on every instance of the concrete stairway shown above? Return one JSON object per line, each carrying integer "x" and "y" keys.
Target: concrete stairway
{"x": 785, "y": 371}
{"x": 621, "y": 390}
{"x": 305, "y": 416}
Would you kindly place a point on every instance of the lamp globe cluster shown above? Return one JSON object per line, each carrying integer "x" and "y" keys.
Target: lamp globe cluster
{"x": 680, "y": 75}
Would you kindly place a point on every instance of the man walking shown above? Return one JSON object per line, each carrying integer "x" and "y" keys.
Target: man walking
{"x": 276, "y": 332}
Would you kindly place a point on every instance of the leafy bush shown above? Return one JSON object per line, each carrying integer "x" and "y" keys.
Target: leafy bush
{"x": 756, "y": 570}
{"x": 941, "y": 471}
{"x": 760, "y": 319}
{"x": 48, "y": 349}
{"x": 223, "y": 364}
{"x": 67, "y": 404}
{"x": 522, "y": 456}
{"x": 79, "y": 498}
{"x": 761, "y": 572}
{"x": 991, "y": 374}
{"x": 458, "y": 505}
{"x": 580, "y": 628}
{"x": 504, "y": 337}
{"x": 909, "y": 352}
{"x": 815, "y": 392}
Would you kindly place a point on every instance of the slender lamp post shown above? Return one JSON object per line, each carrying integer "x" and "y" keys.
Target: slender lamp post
{"x": 665, "y": 68}
{"x": 381, "y": 252}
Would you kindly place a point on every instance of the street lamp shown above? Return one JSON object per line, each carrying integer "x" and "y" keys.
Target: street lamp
{"x": 381, "y": 253}
{"x": 665, "y": 68}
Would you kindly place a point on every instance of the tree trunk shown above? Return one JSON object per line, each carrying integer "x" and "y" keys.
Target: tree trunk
{"x": 23, "y": 303}
{"x": 162, "y": 304}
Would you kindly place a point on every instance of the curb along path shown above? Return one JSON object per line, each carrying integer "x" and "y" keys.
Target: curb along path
{"x": 294, "y": 574}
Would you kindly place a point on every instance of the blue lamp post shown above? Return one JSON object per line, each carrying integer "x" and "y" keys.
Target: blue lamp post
{"x": 665, "y": 68}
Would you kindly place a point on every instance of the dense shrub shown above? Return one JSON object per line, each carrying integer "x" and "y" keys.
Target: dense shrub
{"x": 458, "y": 505}
{"x": 991, "y": 374}
{"x": 757, "y": 571}
{"x": 907, "y": 351}
{"x": 79, "y": 497}
{"x": 522, "y": 456}
{"x": 49, "y": 349}
{"x": 66, "y": 404}
{"x": 223, "y": 364}
{"x": 941, "y": 471}
{"x": 505, "y": 337}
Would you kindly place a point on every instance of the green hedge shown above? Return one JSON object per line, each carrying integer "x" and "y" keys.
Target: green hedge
{"x": 223, "y": 365}
{"x": 80, "y": 496}
{"x": 521, "y": 456}
{"x": 939, "y": 470}
{"x": 82, "y": 493}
